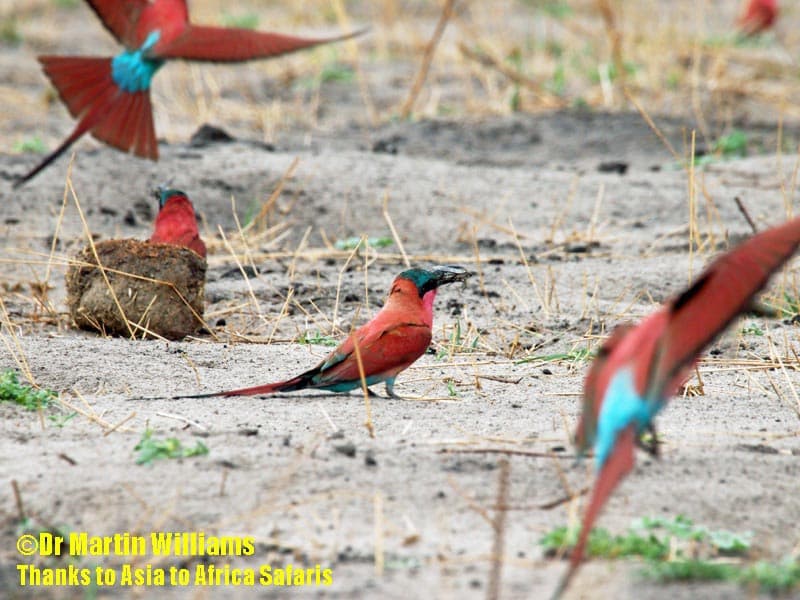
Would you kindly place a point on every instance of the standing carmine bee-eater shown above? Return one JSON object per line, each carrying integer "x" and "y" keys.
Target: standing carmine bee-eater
{"x": 639, "y": 368}
{"x": 388, "y": 344}
{"x": 110, "y": 97}
{"x": 176, "y": 222}
{"x": 758, "y": 16}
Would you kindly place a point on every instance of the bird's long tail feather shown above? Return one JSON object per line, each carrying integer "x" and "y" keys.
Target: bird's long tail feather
{"x": 618, "y": 465}
{"x": 121, "y": 119}
{"x": 290, "y": 385}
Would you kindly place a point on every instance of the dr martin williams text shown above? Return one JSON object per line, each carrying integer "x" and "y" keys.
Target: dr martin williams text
{"x": 156, "y": 544}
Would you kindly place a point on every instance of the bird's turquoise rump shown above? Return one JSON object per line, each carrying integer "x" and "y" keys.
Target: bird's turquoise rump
{"x": 133, "y": 71}
{"x": 622, "y": 407}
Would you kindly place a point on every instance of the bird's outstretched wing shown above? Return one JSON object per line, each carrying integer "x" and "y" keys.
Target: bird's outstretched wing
{"x": 228, "y": 44}
{"x": 120, "y": 17}
{"x": 718, "y": 296}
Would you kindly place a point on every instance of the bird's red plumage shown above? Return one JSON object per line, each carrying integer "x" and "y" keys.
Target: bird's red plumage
{"x": 758, "y": 16}
{"x": 124, "y": 120}
{"x": 225, "y": 44}
{"x": 388, "y": 344}
{"x": 131, "y": 21}
{"x": 176, "y": 224}
{"x": 616, "y": 467}
{"x": 87, "y": 89}
{"x": 663, "y": 348}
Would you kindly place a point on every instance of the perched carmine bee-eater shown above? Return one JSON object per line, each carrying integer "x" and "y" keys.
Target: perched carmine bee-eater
{"x": 396, "y": 337}
{"x": 110, "y": 97}
{"x": 639, "y": 368}
{"x": 758, "y": 16}
{"x": 176, "y": 222}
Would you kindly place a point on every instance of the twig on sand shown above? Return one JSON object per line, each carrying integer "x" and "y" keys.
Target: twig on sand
{"x": 743, "y": 210}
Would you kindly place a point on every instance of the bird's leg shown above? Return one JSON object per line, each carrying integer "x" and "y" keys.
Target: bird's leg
{"x": 390, "y": 389}
{"x": 650, "y": 446}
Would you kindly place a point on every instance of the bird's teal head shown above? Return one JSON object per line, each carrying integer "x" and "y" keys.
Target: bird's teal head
{"x": 427, "y": 280}
{"x": 164, "y": 193}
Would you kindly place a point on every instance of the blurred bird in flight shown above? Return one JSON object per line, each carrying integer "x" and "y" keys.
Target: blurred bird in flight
{"x": 110, "y": 97}
{"x": 757, "y": 16}
{"x": 640, "y": 367}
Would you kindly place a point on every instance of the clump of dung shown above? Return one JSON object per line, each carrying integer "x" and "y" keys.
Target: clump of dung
{"x": 159, "y": 287}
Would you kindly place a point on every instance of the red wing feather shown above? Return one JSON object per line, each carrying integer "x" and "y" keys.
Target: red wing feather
{"x": 616, "y": 467}
{"x": 120, "y": 17}
{"x": 723, "y": 291}
{"x": 382, "y": 350}
{"x": 224, "y": 44}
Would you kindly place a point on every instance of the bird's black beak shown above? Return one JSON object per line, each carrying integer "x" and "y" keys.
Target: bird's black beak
{"x": 445, "y": 274}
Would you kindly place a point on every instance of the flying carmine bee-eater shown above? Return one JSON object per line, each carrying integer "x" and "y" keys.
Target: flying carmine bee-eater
{"x": 110, "y": 97}
{"x": 176, "y": 222}
{"x": 639, "y": 368}
{"x": 387, "y": 345}
{"x": 757, "y": 16}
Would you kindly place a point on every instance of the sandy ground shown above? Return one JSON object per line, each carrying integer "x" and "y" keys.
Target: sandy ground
{"x": 574, "y": 222}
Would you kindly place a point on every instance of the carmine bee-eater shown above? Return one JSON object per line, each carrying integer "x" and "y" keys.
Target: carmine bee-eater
{"x": 110, "y": 97}
{"x": 640, "y": 367}
{"x": 396, "y": 337}
{"x": 176, "y": 222}
{"x": 757, "y": 16}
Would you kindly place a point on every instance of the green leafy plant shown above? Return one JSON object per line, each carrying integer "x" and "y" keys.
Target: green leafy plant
{"x": 9, "y": 32}
{"x": 353, "y": 242}
{"x": 459, "y": 342}
{"x": 33, "y": 144}
{"x": 316, "y": 338}
{"x": 151, "y": 449}
{"x": 11, "y": 390}
{"x": 732, "y": 145}
{"x": 575, "y": 355}
{"x": 678, "y": 550}
{"x": 242, "y": 21}
{"x": 752, "y": 329}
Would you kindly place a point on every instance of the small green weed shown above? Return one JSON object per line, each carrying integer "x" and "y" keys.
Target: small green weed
{"x": 352, "y": 243}
{"x": 242, "y": 21}
{"x": 11, "y": 390}
{"x": 151, "y": 449}
{"x": 9, "y": 32}
{"x": 752, "y": 329}
{"x": 459, "y": 342}
{"x": 576, "y": 355}
{"x": 33, "y": 145}
{"x": 671, "y": 548}
{"x": 316, "y": 339}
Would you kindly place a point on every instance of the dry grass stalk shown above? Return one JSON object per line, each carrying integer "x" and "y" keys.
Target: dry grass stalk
{"x": 395, "y": 235}
{"x": 430, "y": 49}
{"x": 499, "y": 527}
{"x": 260, "y": 221}
{"x": 379, "y": 535}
